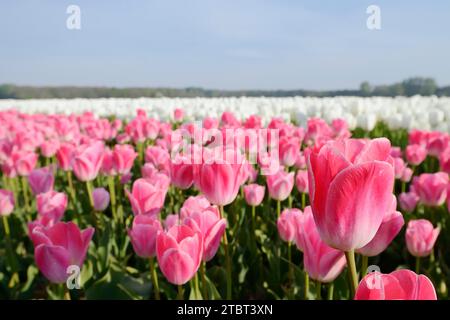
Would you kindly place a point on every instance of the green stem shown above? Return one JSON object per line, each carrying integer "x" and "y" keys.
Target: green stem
{"x": 253, "y": 223}
{"x": 67, "y": 294}
{"x": 303, "y": 200}
{"x": 306, "y": 288}
{"x": 278, "y": 208}
{"x": 140, "y": 147}
{"x": 291, "y": 270}
{"x": 318, "y": 290}
{"x": 417, "y": 265}
{"x": 197, "y": 290}
{"x": 180, "y": 292}
{"x": 203, "y": 275}
{"x": 112, "y": 193}
{"x": 364, "y": 265}
{"x": 330, "y": 291}
{"x": 290, "y": 201}
{"x": 89, "y": 189}
{"x": 71, "y": 188}
{"x": 227, "y": 259}
{"x": 6, "y": 227}
{"x": 25, "y": 193}
{"x": 353, "y": 276}
{"x": 154, "y": 279}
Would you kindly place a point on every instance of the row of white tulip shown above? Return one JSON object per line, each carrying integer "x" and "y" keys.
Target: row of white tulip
{"x": 428, "y": 113}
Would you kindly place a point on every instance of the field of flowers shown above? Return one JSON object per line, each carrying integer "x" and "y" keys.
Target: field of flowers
{"x": 239, "y": 198}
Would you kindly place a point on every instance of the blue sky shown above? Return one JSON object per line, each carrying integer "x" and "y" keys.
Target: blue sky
{"x": 232, "y": 44}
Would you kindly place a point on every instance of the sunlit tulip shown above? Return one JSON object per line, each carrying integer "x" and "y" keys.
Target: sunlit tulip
{"x": 87, "y": 161}
{"x": 101, "y": 199}
{"x": 179, "y": 252}
{"x": 58, "y": 247}
{"x": 415, "y": 154}
{"x": 147, "y": 197}
{"x": 301, "y": 181}
{"x": 350, "y": 186}
{"x": 408, "y": 201}
{"x": 421, "y": 237}
{"x": 288, "y": 224}
{"x": 254, "y": 194}
{"x": 392, "y": 223}
{"x": 219, "y": 178}
{"x": 143, "y": 235}
{"x": 209, "y": 223}
{"x": 6, "y": 202}
{"x": 397, "y": 285}
{"x": 431, "y": 188}
{"x": 322, "y": 263}
{"x": 123, "y": 157}
{"x": 41, "y": 180}
{"x": 51, "y": 204}
{"x": 280, "y": 184}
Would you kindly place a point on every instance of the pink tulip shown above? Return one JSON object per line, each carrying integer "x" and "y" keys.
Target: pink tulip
{"x": 253, "y": 122}
{"x": 280, "y": 184}
{"x": 148, "y": 170}
{"x": 418, "y": 137}
{"x": 415, "y": 154}
{"x": 289, "y": 150}
{"x": 41, "y": 180}
{"x": 321, "y": 262}
{"x": 101, "y": 199}
{"x": 397, "y": 285}
{"x": 58, "y": 247}
{"x": 52, "y": 204}
{"x": 210, "y": 123}
{"x": 64, "y": 156}
{"x": 125, "y": 178}
{"x": 147, "y": 197}
{"x": 340, "y": 129}
{"x": 301, "y": 181}
{"x": 350, "y": 187}
{"x": 219, "y": 179}
{"x": 209, "y": 223}
{"x": 421, "y": 237}
{"x": 444, "y": 161}
{"x": 254, "y": 194}
{"x": 159, "y": 157}
{"x": 178, "y": 114}
{"x": 228, "y": 120}
{"x": 288, "y": 223}
{"x": 107, "y": 163}
{"x": 171, "y": 220}
{"x": 437, "y": 142}
{"x": 6, "y": 202}
{"x": 182, "y": 172}
{"x": 24, "y": 162}
{"x": 123, "y": 158}
{"x": 49, "y": 148}
{"x": 194, "y": 204}
{"x": 408, "y": 201}
{"x": 179, "y": 252}
{"x": 399, "y": 167}
{"x": 396, "y": 152}
{"x": 392, "y": 224}
{"x": 431, "y": 188}
{"x": 88, "y": 161}
{"x": 407, "y": 175}
{"x": 143, "y": 235}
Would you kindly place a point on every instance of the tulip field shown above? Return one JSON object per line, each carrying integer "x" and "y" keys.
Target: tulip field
{"x": 285, "y": 200}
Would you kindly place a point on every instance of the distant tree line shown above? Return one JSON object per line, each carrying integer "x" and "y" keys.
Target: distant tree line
{"x": 408, "y": 87}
